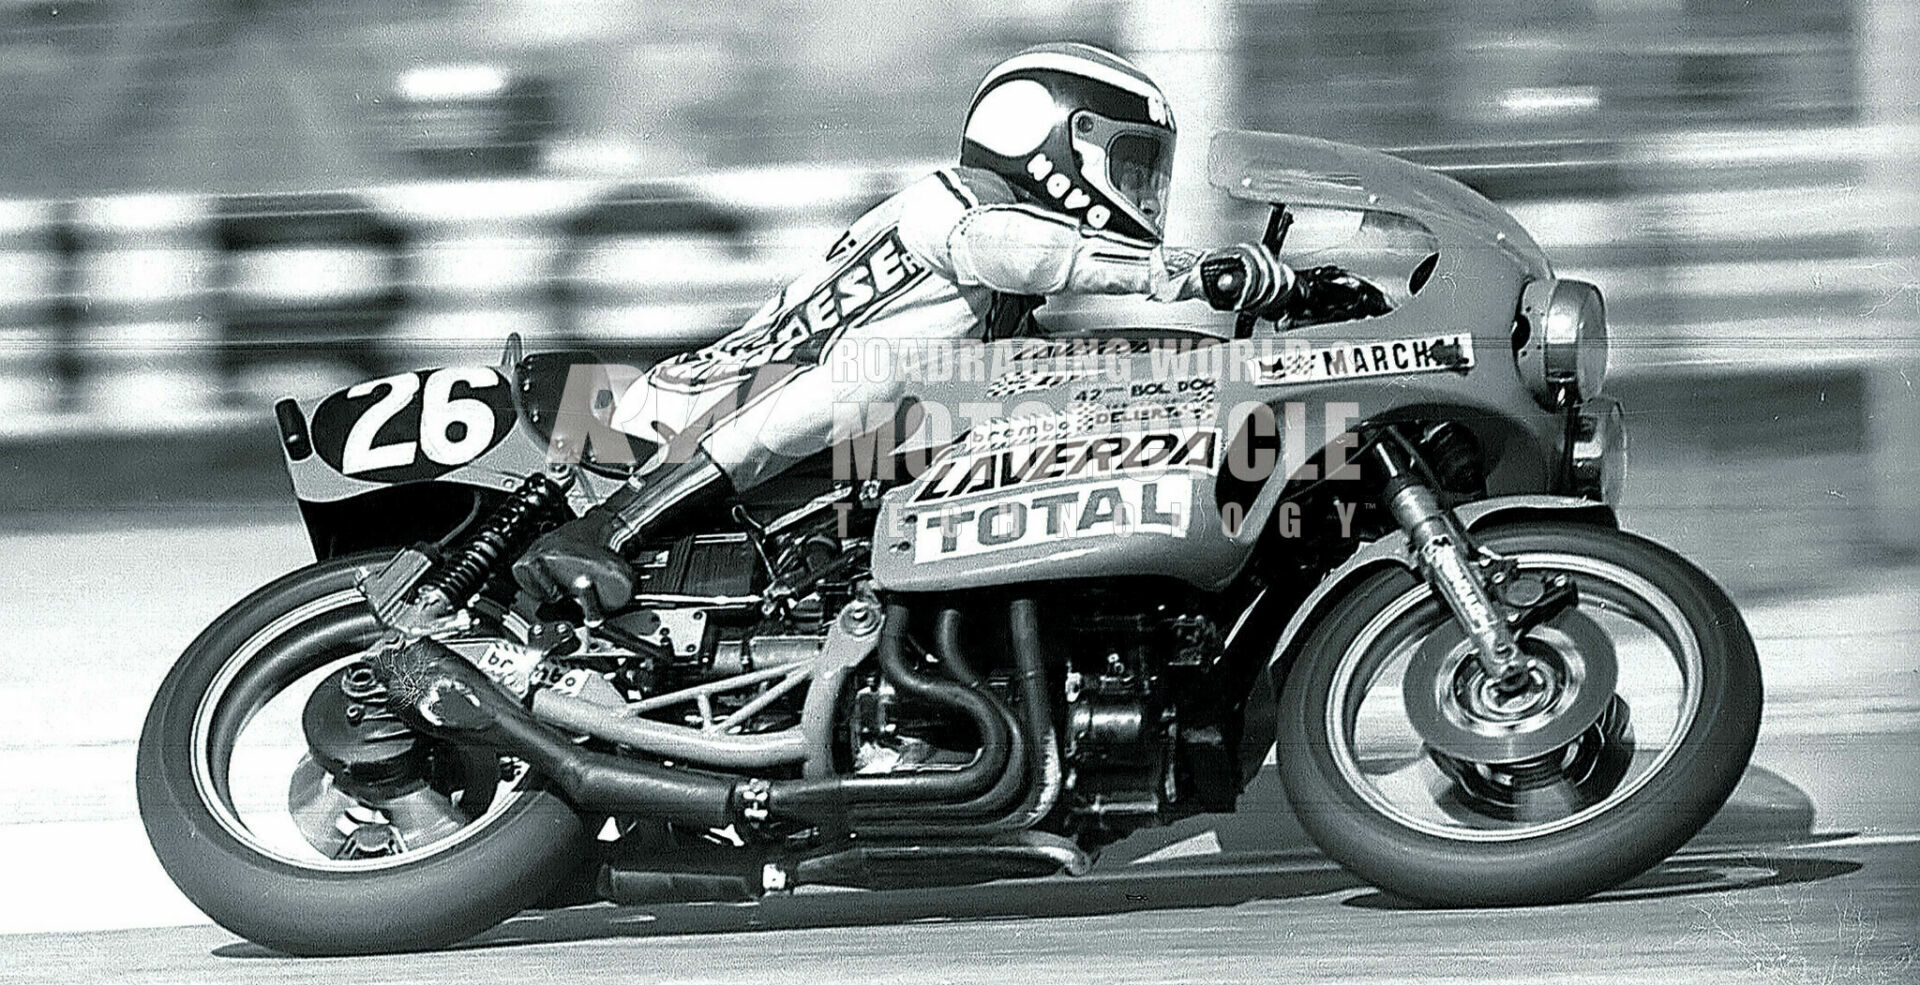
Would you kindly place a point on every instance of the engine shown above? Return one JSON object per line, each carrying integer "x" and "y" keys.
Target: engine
{"x": 1143, "y": 731}
{"x": 713, "y": 606}
{"x": 1134, "y": 677}
{"x": 1145, "y": 735}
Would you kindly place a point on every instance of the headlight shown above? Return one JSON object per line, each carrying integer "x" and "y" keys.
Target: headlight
{"x": 1562, "y": 343}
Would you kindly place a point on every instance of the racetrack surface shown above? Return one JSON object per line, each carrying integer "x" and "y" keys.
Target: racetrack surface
{"x": 1811, "y": 875}
{"x": 1843, "y": 912}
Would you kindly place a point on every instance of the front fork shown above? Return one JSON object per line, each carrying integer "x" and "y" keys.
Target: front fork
{"x": 1494, "y": 602}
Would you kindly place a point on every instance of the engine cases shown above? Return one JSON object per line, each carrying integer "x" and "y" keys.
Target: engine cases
{"x": 1143, "y": 739}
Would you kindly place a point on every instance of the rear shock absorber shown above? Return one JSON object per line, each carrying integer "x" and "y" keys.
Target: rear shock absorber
{"x": 502, "y": 535}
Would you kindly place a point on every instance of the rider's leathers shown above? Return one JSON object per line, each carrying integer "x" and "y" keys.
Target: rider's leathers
{"x": 922, "y": 266}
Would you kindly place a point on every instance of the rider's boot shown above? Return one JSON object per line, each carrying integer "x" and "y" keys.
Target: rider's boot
{"x": 589, "y": 547}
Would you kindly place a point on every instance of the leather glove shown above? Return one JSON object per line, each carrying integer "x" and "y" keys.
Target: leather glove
{"x": 1243, "y": 277}
{"x": 574, "y": 561}
{"x": 1329, "y": 294}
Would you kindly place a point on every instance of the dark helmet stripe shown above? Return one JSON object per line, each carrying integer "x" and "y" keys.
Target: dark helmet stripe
{"x": 1077, "y": 58}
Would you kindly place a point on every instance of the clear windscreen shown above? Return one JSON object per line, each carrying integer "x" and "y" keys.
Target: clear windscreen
{"x": 1310, "y": 175}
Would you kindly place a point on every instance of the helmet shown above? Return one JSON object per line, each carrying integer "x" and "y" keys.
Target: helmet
{"x": 1078, "y": 131}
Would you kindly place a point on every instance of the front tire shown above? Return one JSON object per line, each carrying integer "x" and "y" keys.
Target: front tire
{"x": 1431, "y": 828}
{"x": 235, "y": 859}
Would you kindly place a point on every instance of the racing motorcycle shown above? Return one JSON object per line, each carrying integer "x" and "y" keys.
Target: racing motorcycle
{"x": 1373, "y": 538}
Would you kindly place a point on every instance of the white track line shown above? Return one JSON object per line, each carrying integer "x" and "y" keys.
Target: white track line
{"x": 1854, "y": 841}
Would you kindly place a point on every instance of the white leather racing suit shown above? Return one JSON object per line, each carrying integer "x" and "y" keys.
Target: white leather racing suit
{"x": 924, "y": 265}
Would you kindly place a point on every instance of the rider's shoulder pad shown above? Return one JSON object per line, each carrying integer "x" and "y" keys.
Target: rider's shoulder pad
{"x": 930, "y": 209}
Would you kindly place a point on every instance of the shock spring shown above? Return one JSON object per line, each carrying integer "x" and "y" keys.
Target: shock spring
{"x": 503, "y": 534}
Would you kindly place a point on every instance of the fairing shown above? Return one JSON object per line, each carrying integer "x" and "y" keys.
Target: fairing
{"x": 962, "y": 524}
{"x": 1452, "y": 265}
{"x": 1305, "y": 172}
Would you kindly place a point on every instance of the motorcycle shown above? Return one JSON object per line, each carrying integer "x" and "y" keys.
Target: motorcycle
{"x": 1375, "y": 538}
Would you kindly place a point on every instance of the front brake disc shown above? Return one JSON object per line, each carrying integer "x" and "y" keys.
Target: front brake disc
{"x": 1460, "y": 713}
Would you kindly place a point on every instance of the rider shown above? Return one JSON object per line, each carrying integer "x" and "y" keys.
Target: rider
{"x": 1061, "y": 188}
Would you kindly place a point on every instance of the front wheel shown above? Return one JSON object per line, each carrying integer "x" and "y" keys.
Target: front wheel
{"x": 264, "y": 840}
{"x": 1414, "y": 772}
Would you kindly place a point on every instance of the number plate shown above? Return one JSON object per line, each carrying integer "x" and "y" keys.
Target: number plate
{"x": 413, "y": 426}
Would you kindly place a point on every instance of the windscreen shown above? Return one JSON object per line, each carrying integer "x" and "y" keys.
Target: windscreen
{"x": 1302, "y": 171}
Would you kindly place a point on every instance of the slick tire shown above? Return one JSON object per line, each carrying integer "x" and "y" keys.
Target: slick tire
{"x": 492, "y": 869}
{"x": 1640, "y": 830}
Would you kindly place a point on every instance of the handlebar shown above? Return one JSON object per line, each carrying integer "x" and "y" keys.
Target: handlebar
{"x": 1278, "y": 222}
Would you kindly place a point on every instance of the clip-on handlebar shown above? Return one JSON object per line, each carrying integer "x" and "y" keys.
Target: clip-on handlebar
{"x": 1278, "y": 221}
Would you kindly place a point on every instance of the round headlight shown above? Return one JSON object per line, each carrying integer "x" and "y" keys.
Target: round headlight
{"x": 1564, "y": 348}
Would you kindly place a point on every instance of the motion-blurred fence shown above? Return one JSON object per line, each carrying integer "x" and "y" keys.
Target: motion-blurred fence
{"x": 1716, "y": 251}
{"x": 163, "y": 311}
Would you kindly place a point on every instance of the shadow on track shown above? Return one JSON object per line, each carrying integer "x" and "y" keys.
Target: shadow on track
{"x": 1020, "y": 899}
{"x": 1678, "y": 877}
{"x": 1144, "y": 889}
{"x": 1265, "y": 858}
{"x": 1009, "y": 900}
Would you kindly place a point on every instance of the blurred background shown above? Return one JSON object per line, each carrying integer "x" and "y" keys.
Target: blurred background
{"x": 256, "y": 95}
{"x": 208, "y": 204}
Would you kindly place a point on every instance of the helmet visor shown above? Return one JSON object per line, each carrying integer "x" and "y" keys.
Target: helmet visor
{"x": 1140, "y": 171}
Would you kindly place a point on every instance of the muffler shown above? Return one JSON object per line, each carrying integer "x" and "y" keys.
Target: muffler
{"x": 1015, "y": 855}
{"x": 436, "y": 691}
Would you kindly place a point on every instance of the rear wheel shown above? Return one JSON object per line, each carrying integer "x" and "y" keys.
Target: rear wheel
{"x": 1417, "y": 774}
{"x": 257, "y": 834}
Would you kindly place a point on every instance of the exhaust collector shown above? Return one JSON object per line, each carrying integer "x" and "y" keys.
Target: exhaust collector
{"x": 436, "y": 691}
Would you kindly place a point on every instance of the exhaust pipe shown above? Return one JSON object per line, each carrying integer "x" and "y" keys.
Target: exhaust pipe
{"x": 1033, "y": 762}
{"x": 436, "y": 691}
{"x": 829, "y": 800}
{"x": 1013, "y": 781}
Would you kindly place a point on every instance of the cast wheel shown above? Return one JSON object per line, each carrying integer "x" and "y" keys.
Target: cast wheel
{"x": 277, "y": 849}
{"x": 1415, "y": 772}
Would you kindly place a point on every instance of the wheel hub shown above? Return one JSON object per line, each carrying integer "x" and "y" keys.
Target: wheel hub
{"x": 1457, "y": 710}
{"x": 369, "y": 785}
{"x": 1493, "y": 700}
{"x": 351, "y": 733}
{"x": 1553, "y": 786}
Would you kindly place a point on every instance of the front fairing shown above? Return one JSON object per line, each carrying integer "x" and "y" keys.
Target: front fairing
{"x": 931, "y": 535}
{"x": 1308, "y": 174}
{"x": 1452, "y": 264}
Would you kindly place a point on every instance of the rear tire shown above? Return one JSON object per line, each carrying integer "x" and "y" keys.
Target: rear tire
{"x": 502, "y": 862}
{"x": 1426, "y": 861}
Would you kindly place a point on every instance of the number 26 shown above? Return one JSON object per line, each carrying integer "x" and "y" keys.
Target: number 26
{"x": 439, "y": 412}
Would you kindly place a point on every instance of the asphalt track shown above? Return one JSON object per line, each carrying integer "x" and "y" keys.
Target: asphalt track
{"x": 1843, "y": 912}
{"x": 1812, "y": 874}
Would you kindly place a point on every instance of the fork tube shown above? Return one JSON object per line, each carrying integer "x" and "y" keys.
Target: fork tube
{"x": 1446, "y": 561}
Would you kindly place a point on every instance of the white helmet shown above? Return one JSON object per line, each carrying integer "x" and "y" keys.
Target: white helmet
{"x": 1078, "y": 131}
